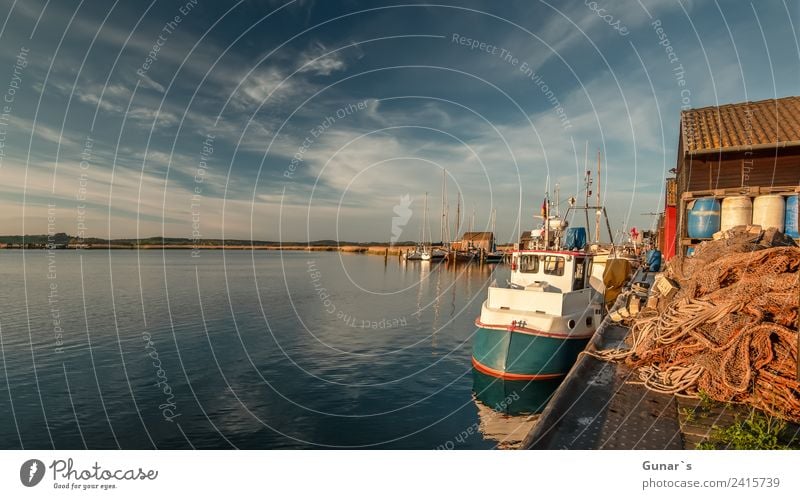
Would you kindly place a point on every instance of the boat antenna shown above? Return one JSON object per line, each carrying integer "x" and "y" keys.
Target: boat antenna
{"x": 558, "y": 197}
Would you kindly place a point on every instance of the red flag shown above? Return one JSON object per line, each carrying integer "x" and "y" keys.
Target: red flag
{"x": 544, "y": 208}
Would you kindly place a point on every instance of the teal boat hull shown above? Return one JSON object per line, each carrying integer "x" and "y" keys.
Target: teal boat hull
{"x": 517, "y": 354}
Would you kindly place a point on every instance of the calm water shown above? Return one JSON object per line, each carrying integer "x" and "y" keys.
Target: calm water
{"x": 237, "y": 349}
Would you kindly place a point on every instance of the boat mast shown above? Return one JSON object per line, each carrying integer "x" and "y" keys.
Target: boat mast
{"x": 443, "y": 220}
{"x": 425, "y": 220}
{"x": 494, "y": 236}
{"x": 472, "y": 221}
{"x": 458, "y": 213}
{"x": 588, "y": 182}
{"x": 597, "y": 215}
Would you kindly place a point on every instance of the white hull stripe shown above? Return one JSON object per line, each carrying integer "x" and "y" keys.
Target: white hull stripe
{"x": 534, "y": 332}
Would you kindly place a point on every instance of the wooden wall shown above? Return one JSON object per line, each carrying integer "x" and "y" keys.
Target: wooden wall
{"x": 740, "y": 170}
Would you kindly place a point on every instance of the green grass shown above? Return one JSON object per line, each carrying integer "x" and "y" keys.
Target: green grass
{"x": 757, "y": 432}
{"x": 689, "y": 414}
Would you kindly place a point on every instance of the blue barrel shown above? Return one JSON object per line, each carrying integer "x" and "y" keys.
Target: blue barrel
{"x": 703, "y": 218}
{"x": 790, "y": 228}
{"x": 653, "y": 259}
{"x": 576, "y": 238}
{"x": 690, "y": 251}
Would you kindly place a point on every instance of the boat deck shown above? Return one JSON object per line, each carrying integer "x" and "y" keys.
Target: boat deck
{"x": 597, "y": 406}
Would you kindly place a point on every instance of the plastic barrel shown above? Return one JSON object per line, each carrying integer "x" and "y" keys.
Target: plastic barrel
{"x": 791, "y": 217}
{"x": 736, "y": 210}
{"x": 769, "y": 211}
{"x": 703, "y": 218}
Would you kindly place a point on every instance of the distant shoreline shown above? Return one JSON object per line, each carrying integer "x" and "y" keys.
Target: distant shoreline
{"x": 370, "y": 250}
{"x": 374, "y": 250}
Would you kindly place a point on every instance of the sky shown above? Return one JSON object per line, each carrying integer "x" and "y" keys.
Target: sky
{"x": 306, "y": 120}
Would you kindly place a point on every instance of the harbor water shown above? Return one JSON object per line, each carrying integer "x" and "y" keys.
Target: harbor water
{"x": 239, "y": 349}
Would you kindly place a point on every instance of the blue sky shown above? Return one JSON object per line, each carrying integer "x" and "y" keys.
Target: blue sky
{"x": 372, "y": 100}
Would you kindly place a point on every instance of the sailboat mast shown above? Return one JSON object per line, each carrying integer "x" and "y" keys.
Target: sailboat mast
{"x": 442, "y": 218}
{"x": 494, "y": 236}
{"x": 458, "y": 214}
{"x": 472, "y": 221}
{"x": 425, "y": 219}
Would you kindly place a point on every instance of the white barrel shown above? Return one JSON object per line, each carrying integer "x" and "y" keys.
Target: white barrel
{"x": 769, "y": 211}
{"x": 736, "y": 210}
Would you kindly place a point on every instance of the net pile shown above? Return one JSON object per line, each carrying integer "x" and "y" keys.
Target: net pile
{"x": 730, "y": 330}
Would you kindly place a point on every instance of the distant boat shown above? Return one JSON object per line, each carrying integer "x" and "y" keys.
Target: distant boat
{"x": 438, "y": 254}
{"x": 416, "y": 254}
{"x": 494, "y": 257}
{"x": 427, "y": 252}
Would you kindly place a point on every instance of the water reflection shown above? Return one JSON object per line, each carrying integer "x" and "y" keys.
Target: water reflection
{"x": 508, "y": 410}
{"x": 513, "y": 397}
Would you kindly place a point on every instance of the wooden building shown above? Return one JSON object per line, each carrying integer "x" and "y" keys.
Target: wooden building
{"x": 476, "y": 240}
{"x": 744, "y": 149}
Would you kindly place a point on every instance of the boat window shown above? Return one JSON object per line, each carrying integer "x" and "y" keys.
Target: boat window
{"x": 579, "y": 273}
{"x": 529, "y": 264}
{"x": 554, "y": 265}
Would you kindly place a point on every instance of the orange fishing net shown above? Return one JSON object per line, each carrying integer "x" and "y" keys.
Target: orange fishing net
{"x": 731, "y": 329}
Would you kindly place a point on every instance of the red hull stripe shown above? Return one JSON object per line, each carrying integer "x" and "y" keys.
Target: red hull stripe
{"x": 535, "y": 332}
{"x": 511, "y": 376}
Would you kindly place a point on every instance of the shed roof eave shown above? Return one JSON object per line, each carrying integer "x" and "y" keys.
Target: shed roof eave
{"x": 754, "y": 147}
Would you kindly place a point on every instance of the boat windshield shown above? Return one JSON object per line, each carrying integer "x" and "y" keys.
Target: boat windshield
{"x": 554, "y": 265}
{"x": 532, "y": 264}
{"x": 529, "y": 264}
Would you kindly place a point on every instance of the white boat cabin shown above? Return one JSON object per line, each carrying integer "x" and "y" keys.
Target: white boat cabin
{"x": 548, "y": 291}
{"x": 550, "y": 271}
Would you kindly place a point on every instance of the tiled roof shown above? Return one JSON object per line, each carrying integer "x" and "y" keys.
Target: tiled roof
{"x": 731, "y": 126}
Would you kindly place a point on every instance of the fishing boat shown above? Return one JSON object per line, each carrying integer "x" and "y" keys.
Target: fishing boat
{"x": 534, "y": 328}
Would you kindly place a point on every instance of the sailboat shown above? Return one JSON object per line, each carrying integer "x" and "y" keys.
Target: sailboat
{"x": 427, "y": 252}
